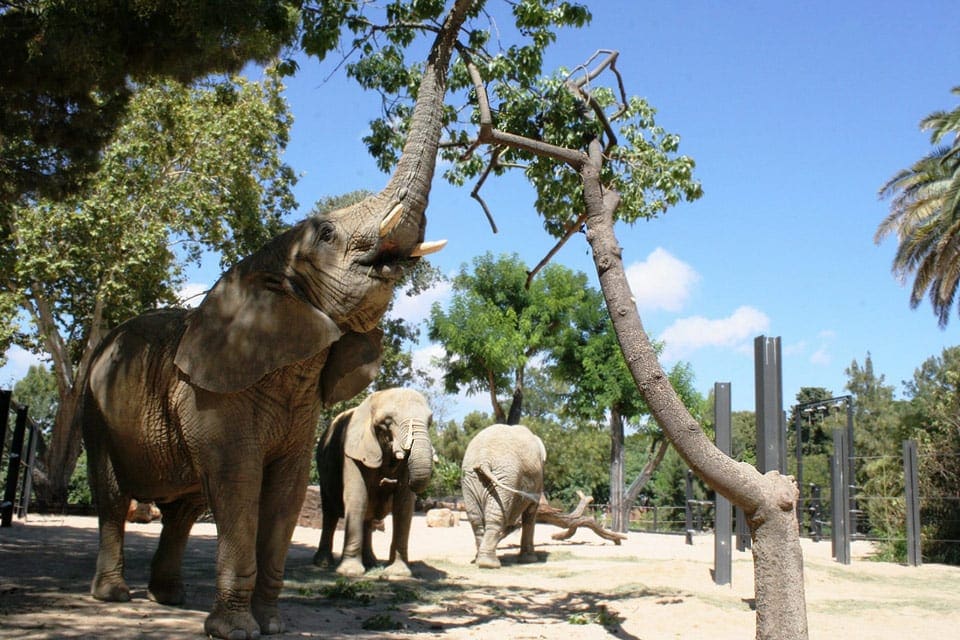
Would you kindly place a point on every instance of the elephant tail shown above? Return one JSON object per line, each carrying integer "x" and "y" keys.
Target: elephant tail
{"x": 485, "y": 471}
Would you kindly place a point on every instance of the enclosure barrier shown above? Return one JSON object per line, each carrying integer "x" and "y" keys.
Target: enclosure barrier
{"x": 15, "y": 460}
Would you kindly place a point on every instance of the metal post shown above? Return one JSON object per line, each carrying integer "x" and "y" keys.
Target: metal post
{"x": 912, "y": 486}
{"x": 5, "y": 397}
{"x": 13, "y": 470}
{"x": 688, "y": 507}
{"x": 798, "y": 427}
{"x": 723, "y": 513}
{"x": 769, "y": 403}
{"x": 851, "y": 470}
{"x": 840, "y": 498}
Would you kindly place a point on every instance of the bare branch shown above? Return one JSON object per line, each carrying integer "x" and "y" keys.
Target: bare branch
{"x": 490, "y": 135}
{"x": 572, "y": 228}
{"x": 475, "y": 194}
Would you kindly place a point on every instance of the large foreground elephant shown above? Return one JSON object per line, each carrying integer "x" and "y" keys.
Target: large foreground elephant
{"x": 217, "y": 406}
{"x": 501, "y": 480}
{"x": 372, "y": 460}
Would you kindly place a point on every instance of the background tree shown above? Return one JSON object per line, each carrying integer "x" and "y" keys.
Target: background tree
{"x": 495, "y": 326}
{"x": 878, "y": 435}
{"x": 65, "y": 80}
{"x": 931, "y": 418}
{"x": 602, "y": 388}
{"x": 924, "y": 209}
{"x": 189, "y": 169}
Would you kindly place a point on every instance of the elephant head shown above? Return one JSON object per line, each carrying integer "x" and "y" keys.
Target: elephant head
{"x": 393, "y": 424}
{"x": 323, "y": 284}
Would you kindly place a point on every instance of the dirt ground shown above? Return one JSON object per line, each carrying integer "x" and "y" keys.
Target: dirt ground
{"x": 650, "y": 587}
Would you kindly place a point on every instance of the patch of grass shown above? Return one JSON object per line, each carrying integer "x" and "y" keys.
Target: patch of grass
{"x": 381, "y": 622}
{"x": 345, "y": 589}
{"x": 403, "y": 593}
{"x": 602, "y": 616}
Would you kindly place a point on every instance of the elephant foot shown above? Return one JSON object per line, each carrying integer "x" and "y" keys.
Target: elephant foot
{"x": 168, "y": 592}
{"x": 231, "y": 625}
{"x": 528, "y": 557}
{"x": 323, "y": 559}
{"x": 351, "y": 568}
{"x": 398, "y": 569}
{"x": 488, "y": 561}
{"x": 268, "y": 617}
{"x": 110, "y": 589}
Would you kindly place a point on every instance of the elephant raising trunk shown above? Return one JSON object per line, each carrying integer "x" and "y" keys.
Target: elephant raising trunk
{"x": 216, "y": 406}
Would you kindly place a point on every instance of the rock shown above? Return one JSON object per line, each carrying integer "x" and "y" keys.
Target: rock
{"x": 142, "y": 512}
{"x": 441, "y": 518}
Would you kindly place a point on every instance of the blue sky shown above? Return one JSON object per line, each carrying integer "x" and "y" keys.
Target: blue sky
{"x": 796, "y": 114}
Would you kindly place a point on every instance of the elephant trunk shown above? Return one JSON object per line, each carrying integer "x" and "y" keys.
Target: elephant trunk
{"x": 407, "y": 192}
{"x": 420, "y": 460}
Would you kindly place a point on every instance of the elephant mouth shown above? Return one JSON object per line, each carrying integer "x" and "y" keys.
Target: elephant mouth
{"x": 389, "y": 262}
{"x": 385, "y": 265}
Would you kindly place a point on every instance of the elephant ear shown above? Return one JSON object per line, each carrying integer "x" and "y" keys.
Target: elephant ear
{"x": 247, "y": 326}
{"x": 352, "y": 364}
{"x": 361, "y": 442}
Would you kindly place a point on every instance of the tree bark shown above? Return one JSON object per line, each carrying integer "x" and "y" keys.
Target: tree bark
{"x": 633, "y": 491}
{"x": 768, "y": 500}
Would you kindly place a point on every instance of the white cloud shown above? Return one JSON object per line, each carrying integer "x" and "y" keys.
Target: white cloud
{"x": 192, "y": 293}
{"x": 661, "y": 281}
{"x": 417, "y": 308}
{"x": 19, "y": 361}
{"x": 821, "y": 357}
{"x": 733, "y": 332}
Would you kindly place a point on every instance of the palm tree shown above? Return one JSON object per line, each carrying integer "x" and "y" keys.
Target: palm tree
{"x": 925, "y": 214}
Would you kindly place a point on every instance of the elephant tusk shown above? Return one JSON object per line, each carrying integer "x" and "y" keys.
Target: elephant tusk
{"x": 391, "y": 220}
{"x": 386, "y": 481}
{"x": 426, "y": 248}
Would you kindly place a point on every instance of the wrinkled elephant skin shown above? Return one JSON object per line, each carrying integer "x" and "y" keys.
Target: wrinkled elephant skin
{"x": 216, "y": 407}
{"x": 501, "y": 480}
{"x": 371, "y": 461}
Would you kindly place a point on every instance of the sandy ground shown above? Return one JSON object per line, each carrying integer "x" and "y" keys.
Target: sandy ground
{"x": 650, "y": 587}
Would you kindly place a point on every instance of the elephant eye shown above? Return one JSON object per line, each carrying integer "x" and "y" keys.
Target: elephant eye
{"x": 325, "y": 232}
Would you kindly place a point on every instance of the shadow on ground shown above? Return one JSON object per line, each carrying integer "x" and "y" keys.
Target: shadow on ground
{"x": 45, "y": 575}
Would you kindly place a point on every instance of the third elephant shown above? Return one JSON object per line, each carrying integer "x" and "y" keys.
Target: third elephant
{"x": 502, "y": 481}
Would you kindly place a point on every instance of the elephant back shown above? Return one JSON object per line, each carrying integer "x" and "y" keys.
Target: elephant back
{"x": 512, "y": 452}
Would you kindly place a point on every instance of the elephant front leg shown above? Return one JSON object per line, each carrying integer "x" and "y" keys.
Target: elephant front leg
{"x": 528, "y": 524}
{"x": 354, "y": 513}
{"x": 403, "y": 501}
{"x": 281, "y": 499}
{"x": 233, "y": 492}
{"x": 166, "y": 581}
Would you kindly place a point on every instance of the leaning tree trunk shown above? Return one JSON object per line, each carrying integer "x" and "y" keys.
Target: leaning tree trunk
{"x": 768, "y": 500}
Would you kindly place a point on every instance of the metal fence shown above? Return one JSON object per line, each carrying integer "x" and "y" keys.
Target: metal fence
{"x": 18, "y": 462}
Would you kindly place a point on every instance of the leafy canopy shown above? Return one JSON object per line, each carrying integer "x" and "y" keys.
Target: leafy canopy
{"x": 190, "y": 169}
{"x": 66, "y": 68}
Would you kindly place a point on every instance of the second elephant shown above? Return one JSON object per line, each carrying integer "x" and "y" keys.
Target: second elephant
{"x": 501, "y": 480}
{"x": 372, "y": 460}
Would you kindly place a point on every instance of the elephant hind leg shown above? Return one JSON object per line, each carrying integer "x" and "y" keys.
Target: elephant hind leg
{"x": 112, "y": 504}
{"x": 166, "y": 581}
{"x": 529, "y": 520}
